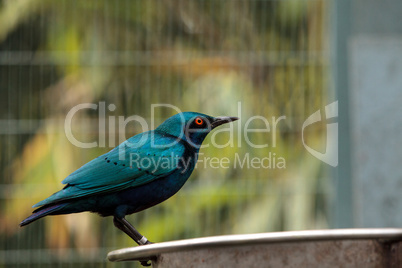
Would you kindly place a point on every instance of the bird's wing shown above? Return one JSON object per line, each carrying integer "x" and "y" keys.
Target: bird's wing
{"x": 123, "y": 167}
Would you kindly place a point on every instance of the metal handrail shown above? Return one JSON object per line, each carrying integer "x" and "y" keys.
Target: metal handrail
{"x": 153, "y": 250}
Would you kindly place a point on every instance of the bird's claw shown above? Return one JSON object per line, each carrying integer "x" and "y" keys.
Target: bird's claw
{"x": 145, "y": 263}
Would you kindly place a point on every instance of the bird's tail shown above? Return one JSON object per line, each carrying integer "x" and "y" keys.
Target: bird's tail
{"x": 42, "y": 212}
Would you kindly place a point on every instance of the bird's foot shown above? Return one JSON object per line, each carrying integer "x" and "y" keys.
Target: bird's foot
{"x": 145, "y": 263}
{"x": 149, "y": 242}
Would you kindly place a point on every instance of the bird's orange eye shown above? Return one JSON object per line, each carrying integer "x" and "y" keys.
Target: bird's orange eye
{"x": 199, "y": 121}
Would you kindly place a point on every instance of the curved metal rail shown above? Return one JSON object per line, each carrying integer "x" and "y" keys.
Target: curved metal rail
{"x": 154, "y": 250}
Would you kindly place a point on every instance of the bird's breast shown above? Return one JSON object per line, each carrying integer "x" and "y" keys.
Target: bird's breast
{"x": 150, "y": 194}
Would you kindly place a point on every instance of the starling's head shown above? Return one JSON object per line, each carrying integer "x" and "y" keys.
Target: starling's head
{"x": 192, "y": 127}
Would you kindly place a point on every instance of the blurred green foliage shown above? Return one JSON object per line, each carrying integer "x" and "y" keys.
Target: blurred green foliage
{"x": 206, "y": 56}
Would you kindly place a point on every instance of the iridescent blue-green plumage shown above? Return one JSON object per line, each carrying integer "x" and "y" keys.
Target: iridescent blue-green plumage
{"x": 141, "y": 172}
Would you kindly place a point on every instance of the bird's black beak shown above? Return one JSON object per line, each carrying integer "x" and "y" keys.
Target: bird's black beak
{"x": 222, "y": 120}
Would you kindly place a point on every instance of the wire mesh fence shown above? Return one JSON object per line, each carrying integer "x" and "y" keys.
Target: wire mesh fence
{"x": 237, "y": 58}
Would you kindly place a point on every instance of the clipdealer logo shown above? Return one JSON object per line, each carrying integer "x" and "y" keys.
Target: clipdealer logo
{"x": 331, "y": 147}
{"x": 271, "y": 160}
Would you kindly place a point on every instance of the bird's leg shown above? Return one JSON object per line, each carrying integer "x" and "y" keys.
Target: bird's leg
{"x": 125, "y": 226}
{"x": 142, "y": 240}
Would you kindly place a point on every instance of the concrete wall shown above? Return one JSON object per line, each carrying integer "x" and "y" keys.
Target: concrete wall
{"x": 368, "y": 69}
